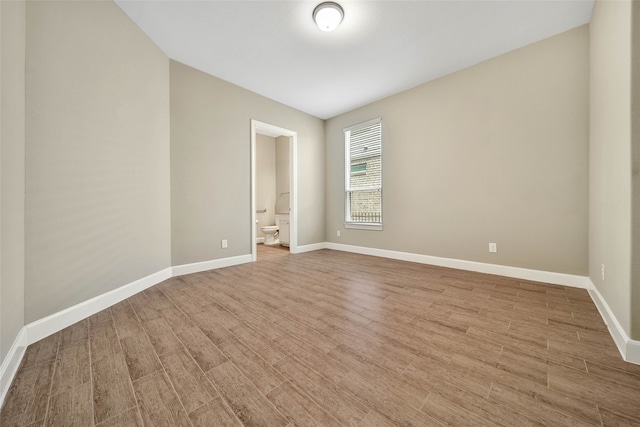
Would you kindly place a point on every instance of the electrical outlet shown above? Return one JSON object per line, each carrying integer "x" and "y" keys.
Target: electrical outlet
{"x": 493, "y": 247}
{"x": 224, "y": 243}
{"x": 602, "y": 270}
{"x": 338, "y": 233}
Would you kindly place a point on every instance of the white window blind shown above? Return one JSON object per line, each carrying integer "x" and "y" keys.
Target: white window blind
{"x": 363, "y": 175}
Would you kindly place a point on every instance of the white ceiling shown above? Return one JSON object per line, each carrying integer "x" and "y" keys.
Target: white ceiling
{"x": 381, "y": 48}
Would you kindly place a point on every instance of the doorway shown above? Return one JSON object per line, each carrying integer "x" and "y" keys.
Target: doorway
{"x": 267, "y": 129}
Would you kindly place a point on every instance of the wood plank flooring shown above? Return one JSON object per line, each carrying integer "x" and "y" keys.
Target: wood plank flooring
{"x": 329, "y": 338}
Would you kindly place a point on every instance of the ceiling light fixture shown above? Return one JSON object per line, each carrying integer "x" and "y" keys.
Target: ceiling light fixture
{"x": 328, "y": 15}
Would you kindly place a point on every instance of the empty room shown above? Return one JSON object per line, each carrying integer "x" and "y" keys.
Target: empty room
{"x": 351, "y": 213}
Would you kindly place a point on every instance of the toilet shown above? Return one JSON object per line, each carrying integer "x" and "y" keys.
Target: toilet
{"x": 271, "y": 233}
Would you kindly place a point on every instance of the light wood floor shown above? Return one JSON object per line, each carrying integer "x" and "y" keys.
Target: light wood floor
{"x": 330, "y": 338}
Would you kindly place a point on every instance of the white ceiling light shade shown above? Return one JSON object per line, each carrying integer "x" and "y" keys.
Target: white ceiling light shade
{"x": 328, "y": 15}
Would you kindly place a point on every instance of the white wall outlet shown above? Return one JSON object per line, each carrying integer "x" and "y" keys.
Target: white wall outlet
{"x": 602, "y": 270}
{"x": 224, "y": 244}
{"x": 493, "y": 247}
{"x": 338, "y": 233}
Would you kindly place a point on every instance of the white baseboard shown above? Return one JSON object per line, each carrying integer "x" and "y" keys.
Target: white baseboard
{"x": 501, "y": 270}
{"x": 196, "y": 267}
{"x": 56, "y": 322}
{"x": 628, "y": 348}
{"x": 311, "y": 247}
{"x": 11, "y": 362}
{"x": 633, "y": 352}
{"x": 42, "y": 328}
{"x": 51, "y": 324}
{"x": 259, "y": 240}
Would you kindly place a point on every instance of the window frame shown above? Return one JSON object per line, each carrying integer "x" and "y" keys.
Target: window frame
{"x": 378, "y": 226}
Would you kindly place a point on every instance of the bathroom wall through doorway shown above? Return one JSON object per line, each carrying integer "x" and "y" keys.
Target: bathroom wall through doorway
{"x": 258, "y": 127}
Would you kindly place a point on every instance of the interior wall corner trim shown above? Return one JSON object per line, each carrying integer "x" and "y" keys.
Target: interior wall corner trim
{"x": 628, "y": 348}
{"x": 11, "y": 362}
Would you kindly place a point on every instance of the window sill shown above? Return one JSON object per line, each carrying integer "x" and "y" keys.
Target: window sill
{"x": 363, "y": 226}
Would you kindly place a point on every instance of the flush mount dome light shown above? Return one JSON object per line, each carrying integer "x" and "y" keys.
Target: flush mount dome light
{"x": 328, "y": 15}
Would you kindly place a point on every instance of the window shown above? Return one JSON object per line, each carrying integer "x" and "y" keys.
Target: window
{"x": 359, "y": 168}
{"x": 363, "y": 175}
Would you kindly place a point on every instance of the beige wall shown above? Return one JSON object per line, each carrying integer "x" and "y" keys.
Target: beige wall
{"x": 610, "y": 151}
{"x": 211, "y": 166}
{"x": 265, "y": 181}
{"x": 494, "y": 153}
{"x": 635, "y": 169}
{"x": 97, "y": 157}
{"x": 282, "y": 175}
{"x": 12, "y": 128}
